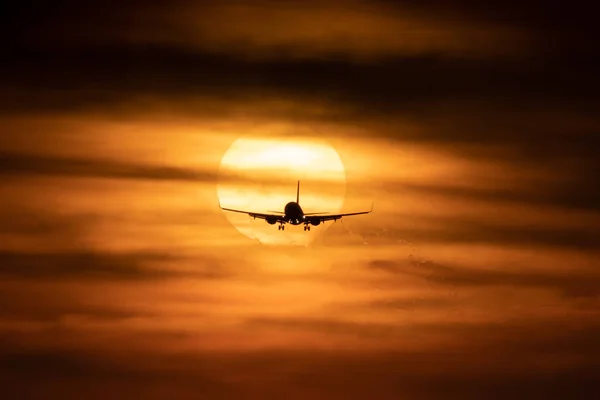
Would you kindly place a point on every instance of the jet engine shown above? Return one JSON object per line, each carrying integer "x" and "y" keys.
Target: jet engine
{"x": 315, "y": 222}
{"x": 271, "y": 220}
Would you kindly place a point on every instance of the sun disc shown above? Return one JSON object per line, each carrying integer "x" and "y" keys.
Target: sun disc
{"x": 260, "y": 175}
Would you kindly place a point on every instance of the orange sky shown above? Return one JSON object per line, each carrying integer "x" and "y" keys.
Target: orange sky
{"x": 470, "y": 127}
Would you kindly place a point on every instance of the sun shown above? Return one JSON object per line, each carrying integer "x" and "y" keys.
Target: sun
{"x": 260, "y": 175}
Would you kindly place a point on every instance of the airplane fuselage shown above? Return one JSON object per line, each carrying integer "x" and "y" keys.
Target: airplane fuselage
{"x": 293, "y": 213}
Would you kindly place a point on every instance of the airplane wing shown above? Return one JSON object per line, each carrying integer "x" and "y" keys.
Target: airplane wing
{"x": 271, "y": 218}
{"x": 333, "y": 217}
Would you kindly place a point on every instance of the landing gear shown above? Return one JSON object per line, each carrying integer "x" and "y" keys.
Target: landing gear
{"x": 306, "y": 227}
{"x": 281, "y": 227}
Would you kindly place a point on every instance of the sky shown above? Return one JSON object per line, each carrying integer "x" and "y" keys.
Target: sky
{"x": 472, "y": 127}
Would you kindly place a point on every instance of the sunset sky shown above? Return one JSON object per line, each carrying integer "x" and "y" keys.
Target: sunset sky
{"x": 473, "y": 128}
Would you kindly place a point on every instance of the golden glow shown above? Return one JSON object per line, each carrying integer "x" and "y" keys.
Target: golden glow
{"x": 260, "y": 175}
{"x": 274, "y": 155}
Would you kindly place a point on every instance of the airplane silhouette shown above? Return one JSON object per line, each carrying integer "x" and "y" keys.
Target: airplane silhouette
{"x": 293, "y": 214}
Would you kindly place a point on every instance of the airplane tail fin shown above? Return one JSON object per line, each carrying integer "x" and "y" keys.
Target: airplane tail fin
{"x": 298, "y": 193}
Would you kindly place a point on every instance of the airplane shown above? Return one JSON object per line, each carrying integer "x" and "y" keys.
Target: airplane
{"x": 294, "y": 215}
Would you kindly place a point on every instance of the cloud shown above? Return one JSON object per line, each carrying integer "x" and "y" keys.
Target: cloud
{"x": 525, "y": 110}
{"x": 416, "y": 304}
{"x": 560, "y": 192}
{"x": 22, "y": 220}
{"x": 95, "y": 266}
{"x": 563, "y": 24}
{"x": 263, "y": 29}
{"x": 327, "y": 326}
{"x": 534, "y": 114}
{"x": 72, "y": 372}
{"x": 20, "y": 310}
{"x": 293, "y": 374}
{"x": 401, "y": 84}
{"x": 32, "y": 164}
{"x": 570, "y": 284}
{"x": 479, "y": 229}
